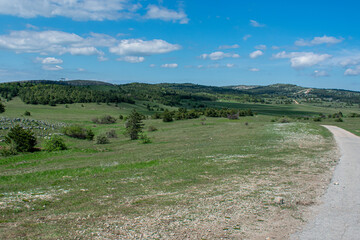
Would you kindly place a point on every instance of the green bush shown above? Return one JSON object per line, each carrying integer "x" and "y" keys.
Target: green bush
{"x": 167, "y": 116}
{"x": 339, "y": 120}
{"x": 23, "y": 139}
{"x": 9, "y": 150}
{"x": 56, "y": 143}
{"x": 2, "y": 108}
{"x": 144, "y": 139}
{"x": 152, "y": 129}
{"x": 111, "y": 134}
{"x": 107, "y": 119}
{"x": 76, "y": 131}
{"x": 102, "y": 139}
{"x": 27, "y": 113}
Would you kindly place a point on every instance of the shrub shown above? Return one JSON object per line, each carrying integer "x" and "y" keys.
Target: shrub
{"x": 317, "y": 119}
{"x": 339, "y": 120}
{"x": 9, "y": 150}
{"x": 76, "y": 131}
{"x": 27, "y": 113}
{"x": 152, "y": 129}
{"x": 102, "y": 139}
{"x": 107, "y": 119}
{"x": 2, "y": 108}
{"x": 23, "y": 140}
{"x": 167, "y": 116}
{"x": 144, "y": 139}
{"x": 56, "y": 143}
{"x": 111, "y": 134}
{"x": 284, "y": 120}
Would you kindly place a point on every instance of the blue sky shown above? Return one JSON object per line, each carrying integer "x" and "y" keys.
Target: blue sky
{"x": 212, "y": 42}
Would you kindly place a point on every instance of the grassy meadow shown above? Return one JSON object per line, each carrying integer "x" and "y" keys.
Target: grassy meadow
{"x": 204, "y": 178}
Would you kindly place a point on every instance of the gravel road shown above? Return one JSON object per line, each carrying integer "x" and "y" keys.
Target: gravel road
{"x": 338, "y": 217}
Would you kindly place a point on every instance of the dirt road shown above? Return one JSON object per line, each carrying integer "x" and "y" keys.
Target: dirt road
{"x": 338, "y": 217}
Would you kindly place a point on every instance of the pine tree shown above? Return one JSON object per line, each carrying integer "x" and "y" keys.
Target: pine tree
{"x": 134, "y": 125}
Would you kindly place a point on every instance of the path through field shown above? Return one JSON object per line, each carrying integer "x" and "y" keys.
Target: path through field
{"x": 339, "y": 215}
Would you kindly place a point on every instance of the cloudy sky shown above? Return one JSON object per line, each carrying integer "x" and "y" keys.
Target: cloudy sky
{"x": 212, "y": 42}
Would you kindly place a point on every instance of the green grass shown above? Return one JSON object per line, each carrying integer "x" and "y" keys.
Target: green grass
{"x": 91, "y": 179}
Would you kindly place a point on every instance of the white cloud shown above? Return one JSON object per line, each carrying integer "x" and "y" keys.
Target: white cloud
{"x": 86, "y": 51}
{"x": 256, "y": 54}
{"x": 81, "y": 70}
{"x": 303, "y": 59}
{"x": 138, "y": 47}
{"x": 29, "y": 26}
{"x": 156, "y": 12}
{"x": 169, "y": 65}
{"x": 230, "y": 65}
{"x": 52, "y": 67}
{"x": 246, "y": 37}
{"x": 321, "y": 73}
{"x": 57, "y": 42}
{"x": 256, "y": 24}
{"x": 51, "y": 42}
{"x": 318, "y": 40}
{"x": 152, "y": 65}
{"x": 49, "y": 60}
{"x": 352, "y": 71}
{"x": 260, "y": 47}
{"x": 219, "y": 55}
{"x": 96, "y": 10}
{"x": 229, "y": 46}
{"x": 275, "y": 47}
{"x": 132, "y": 59}
{"x": 254, "y": 69}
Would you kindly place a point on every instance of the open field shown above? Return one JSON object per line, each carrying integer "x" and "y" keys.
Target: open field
{"x": 202, "y": 178}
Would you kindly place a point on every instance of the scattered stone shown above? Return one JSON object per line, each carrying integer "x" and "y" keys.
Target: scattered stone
{"x": 279, "y": 200}
{"x": 336, "y": 183}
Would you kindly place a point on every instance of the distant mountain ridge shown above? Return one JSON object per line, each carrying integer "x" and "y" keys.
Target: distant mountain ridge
{"x": 170, "y": 93}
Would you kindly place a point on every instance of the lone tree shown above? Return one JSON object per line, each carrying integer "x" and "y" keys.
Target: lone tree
{"x": 134, "y": 125}
{"x": 24, "y": 140}
{"x": 2, "y": 108}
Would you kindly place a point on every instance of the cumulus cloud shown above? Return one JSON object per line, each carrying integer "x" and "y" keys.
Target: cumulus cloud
{"x": 219, "y": 55}
{"x": 169, "y": 65}
{"x": 260, "y": 47}
{"x": 230, "y": 65}
{"x": 138, "y": 47}
{"x": 132, "y": 59}
{"x": 52, "y": 67}
{"x": 256, "y": 54}
{"x": 254, "y": 69}
{"x": 318, "y": 40}
{"x": 81, "y": 70}
{"x": 96, "y": 10}
{"x": 229, "y": 46}
{"x": 156, "y": 12}
{"x": 152, "y": 65}
{"x": 49, "y": 42}
{"x": 322, "y": 73}
{"x": 49, "y": 60}
{"x": 86, "y": 51}
{"x": 57, "y": 42}
{"x": 352, "y": 71}
{"x": 256, "y": 24}
{"x": 303, "y": 59}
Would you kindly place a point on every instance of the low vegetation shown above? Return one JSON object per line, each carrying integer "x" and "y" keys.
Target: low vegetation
{"x": 76, "y": 131}
{"x": 213, "y": 171}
